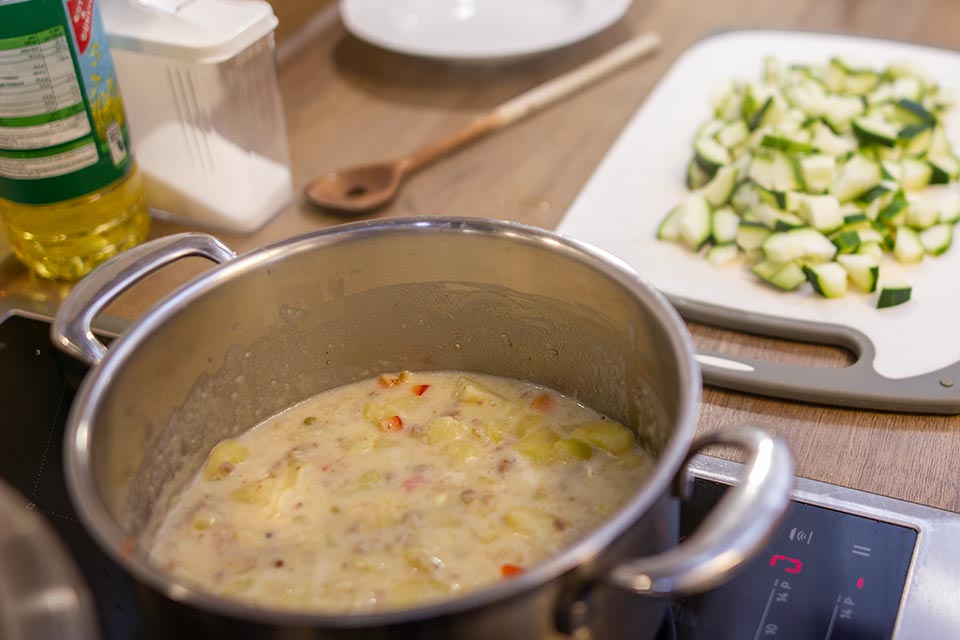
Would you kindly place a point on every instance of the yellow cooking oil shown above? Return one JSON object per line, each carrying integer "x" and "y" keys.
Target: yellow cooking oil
{"x": 66, "y": 240}
{"x": 70, "y": 192}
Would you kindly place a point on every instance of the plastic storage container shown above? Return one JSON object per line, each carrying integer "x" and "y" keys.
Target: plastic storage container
{"x": 200, "y": 84}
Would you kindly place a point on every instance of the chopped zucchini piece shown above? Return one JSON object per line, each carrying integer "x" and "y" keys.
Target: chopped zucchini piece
{"x": 838, "y": 111}
{"x": 710, "y": 154}
{"x": 827, "y": 142}
{"x": 950, "y": 208}
{"x": 724, "y": 224}
{"x": 719, "y": 190}
{"x": 915, "y": 174}
{"x": 875, "y": 130}
{"x": 937, "y": 239}
{"x": 943, "y": 169}
{"x": 696, "y": 176}
{"x": 894, "y": 214}
{"x": 822, "y": 213}
{"x": 847, "y": 241}
{"x": 722, "y": 254}
{"x": 669, "y": 228}
{"x": 922, "y": 213}
{"x": 916, "y": 110}
{"x": 750, "y": 235}
{"x": 744, "y": 197}
{"x": 695, "y": 221}
{"x": 873, "y": 249}
{"x": 817, "y": 171}
{"x": 857, "y": 176}
{"x": 908, "y": 247}
{"x": 784, "y": 143}
{"x": 828, "y": 279}
{"x": 787, "y": 276}
{"x": 796, "y": 244}
{"x": 862, "y": 269}
{"x": 893, "y": 295}
{"x": 876, "y": 193}
{"x": 733, "y": 134}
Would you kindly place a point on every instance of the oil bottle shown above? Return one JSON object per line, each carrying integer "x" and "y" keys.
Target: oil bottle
{"x": 70, "y": 192}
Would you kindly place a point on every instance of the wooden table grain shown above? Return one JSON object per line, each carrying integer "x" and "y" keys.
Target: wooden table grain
{"x": 347, "y": 102}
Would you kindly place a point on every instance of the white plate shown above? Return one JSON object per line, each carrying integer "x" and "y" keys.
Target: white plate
{"x": 463, "y": 30}
{"x": 642, "y": 177}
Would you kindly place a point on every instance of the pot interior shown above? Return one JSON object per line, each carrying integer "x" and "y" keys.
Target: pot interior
{"x": 281, "y": 325}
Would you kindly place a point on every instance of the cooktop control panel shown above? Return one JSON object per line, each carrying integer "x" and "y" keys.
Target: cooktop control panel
{"x": 845, "y": 565}
{"x": 827, "y": 575}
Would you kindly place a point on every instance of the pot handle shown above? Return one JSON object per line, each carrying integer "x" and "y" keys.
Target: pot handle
{"x": 734, "y": 531}
{"x": 71, "y": 330}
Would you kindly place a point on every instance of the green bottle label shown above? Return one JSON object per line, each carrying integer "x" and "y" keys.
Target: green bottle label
{"x": 63, "y": 131}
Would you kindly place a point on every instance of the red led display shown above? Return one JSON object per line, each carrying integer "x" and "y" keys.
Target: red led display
{"x": 793, "y": 565}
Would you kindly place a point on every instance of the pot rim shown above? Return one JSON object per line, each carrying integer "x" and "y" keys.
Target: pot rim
{"x": 116, "y": 542}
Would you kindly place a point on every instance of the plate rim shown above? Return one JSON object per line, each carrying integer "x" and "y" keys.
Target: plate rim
{"x": 613, "y": 11}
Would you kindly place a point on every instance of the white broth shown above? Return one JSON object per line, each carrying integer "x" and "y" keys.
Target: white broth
{"x": 396, "y": 491}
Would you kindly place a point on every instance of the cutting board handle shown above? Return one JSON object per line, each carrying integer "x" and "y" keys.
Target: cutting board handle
{"x": 858, "y": 385}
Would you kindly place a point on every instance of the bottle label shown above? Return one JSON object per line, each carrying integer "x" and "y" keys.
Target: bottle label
{"x": 63, "y": 131}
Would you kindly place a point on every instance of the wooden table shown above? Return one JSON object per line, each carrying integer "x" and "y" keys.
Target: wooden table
{"x": 347, "y": 102}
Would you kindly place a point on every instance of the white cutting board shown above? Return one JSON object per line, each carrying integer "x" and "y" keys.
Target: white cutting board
{"x": 643, "y": 176}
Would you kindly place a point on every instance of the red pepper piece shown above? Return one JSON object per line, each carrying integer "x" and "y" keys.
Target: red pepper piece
{"x": 393, "y": 423}
{"x": 541, "y": 403}
{"x": 508, "y": 570}
{"x": 418, "y": 389}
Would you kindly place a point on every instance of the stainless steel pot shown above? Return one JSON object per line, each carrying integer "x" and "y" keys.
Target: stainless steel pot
{"x": 273, "y": 327}
{"x": 42, "y": 593}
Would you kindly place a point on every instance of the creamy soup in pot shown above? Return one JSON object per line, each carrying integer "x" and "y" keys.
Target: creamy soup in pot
{"x": 396, "y": 491}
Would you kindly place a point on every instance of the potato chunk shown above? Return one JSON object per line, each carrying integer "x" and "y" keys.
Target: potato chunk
{"x": 461, "y": 451}
{"x": 223, "y": 459}
{"x": 527, "y": 423}
{"x": 260, "y": 492}
{"x": 538, "y": 446}
{"x": 264, "y": 491}
{"x": 572, "y": 449}
{"x": 532, "y": 522}
{"x": 443, "y": 429}
{"x": 609, "y": 436}
{"x": 375, "y": 413}
{"x": 475, "y": 393}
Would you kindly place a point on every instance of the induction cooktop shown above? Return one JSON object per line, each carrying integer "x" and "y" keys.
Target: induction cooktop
{"x": 845, "y": 565}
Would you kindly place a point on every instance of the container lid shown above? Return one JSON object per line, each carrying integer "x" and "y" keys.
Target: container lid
{"x": 193, "y": 30}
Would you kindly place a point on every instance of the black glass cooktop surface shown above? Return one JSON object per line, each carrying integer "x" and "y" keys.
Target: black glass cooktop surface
{"x": 827, "y": 574}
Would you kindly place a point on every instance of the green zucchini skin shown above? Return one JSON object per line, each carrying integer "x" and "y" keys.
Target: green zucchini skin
{"x": 819, "y": 174}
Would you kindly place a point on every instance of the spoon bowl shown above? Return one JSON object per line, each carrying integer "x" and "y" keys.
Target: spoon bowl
{"x": 357, "y": 189}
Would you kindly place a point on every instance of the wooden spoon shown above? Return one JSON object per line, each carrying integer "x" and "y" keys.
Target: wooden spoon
{"x": 366, "y": 187}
